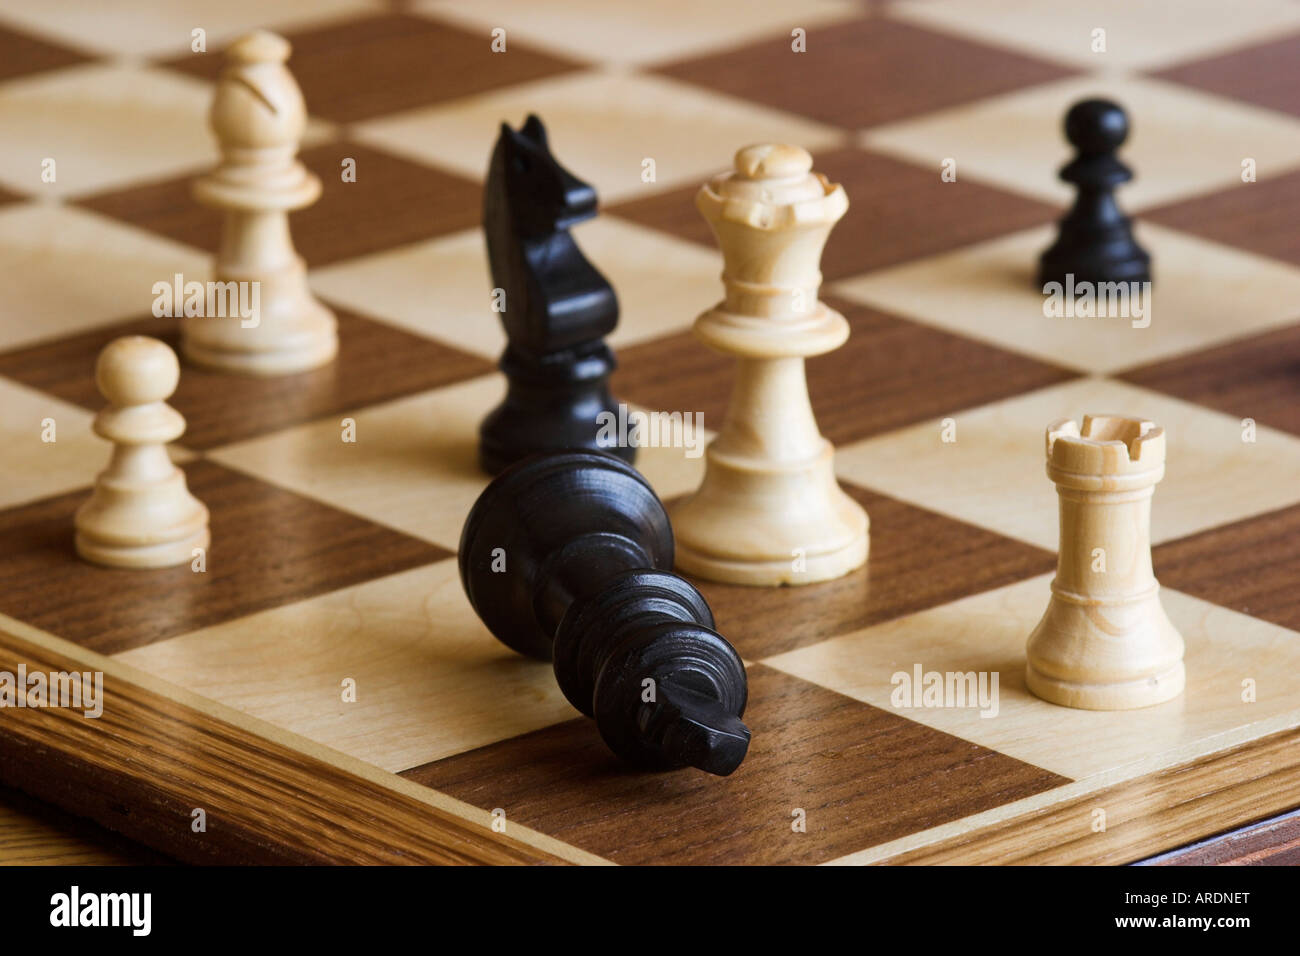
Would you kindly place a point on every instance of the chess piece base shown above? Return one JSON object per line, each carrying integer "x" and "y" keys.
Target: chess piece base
{"x": 163, "y": 555}
{"x": 820, "y": 567}
{"x": 294, "y": 333}
{"x": 1118, "y": 261}
{"x": 108, "y": 525}
{"x": 768, "y": 528}
{"x": 1095, "y": 656}
{"x": 321, "y": 350}
{"x": 1146, "y": 692}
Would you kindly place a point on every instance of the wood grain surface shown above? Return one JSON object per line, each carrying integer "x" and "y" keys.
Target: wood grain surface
{"x": 919, "y": 213}
{"x": 36, "y": 834}
{"x": 1262, "y": 73}
{"x": 376, "y": 362}
{"x": 150, "y": 760}
{"x": 21, "y": 54}
{"x": 390, "y": 202}
{"x": 858, "y": 59}
{"x": 1250, "y": 566}
{"x": 919, "y": 559}
{"x": 950, "y": 323}
{"x": 289, "y": 548}
{"x": 1258, "y": 216}
{"x": 362, "y": 68}
{"x": 1169, "y": 806}
{"x": 814, "y": 751}
{"x": 889, "y": 374}
{"x": 1256, "y": 377}
{"x": 1273, "y": 842}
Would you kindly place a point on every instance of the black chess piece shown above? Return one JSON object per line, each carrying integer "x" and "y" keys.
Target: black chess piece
{"x": 557, "y": 307}
{"x": 1095, "y": 243}
{"x": 566, "y": 557}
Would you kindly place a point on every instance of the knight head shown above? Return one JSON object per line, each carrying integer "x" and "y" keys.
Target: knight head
{"x": 543, "y": 196}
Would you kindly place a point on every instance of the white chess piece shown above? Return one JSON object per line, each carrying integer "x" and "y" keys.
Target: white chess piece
{"x": 259, "y": 116}
{"x": 1105, "y": 642}
{"x": 141, "y": 514}
{"x": 769, "y": 510}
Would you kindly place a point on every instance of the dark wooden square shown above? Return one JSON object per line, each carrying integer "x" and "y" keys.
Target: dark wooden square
{"x": 1256, "y": 377}
{"x": 892, "y": 372}
{"x": 897, "y": 212}
{"x": 918, "y": 559}
{"x": 865, "y": 72}
{"x": 269, "y": 547}
{"x": 374, "y": 65}
{"x": 22, "y": 54}
{"x": 863, "y": 776}
{"x": 1263, "y": 74}
{"x": 377, "y": 362}
{"x": 1251, "y": 566}
{"x": 1260, "y": 217}
{"x": 392, "y": 202}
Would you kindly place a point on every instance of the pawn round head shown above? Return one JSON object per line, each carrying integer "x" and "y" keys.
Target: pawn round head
{"x": 1094, "y": 127}
{"x": 137, "y": 370}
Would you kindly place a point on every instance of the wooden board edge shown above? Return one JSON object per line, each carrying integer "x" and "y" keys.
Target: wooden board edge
{"x": 158, "y": 753}
{"x": 1144, "y": 815}
{"x": 1275, "y": 841}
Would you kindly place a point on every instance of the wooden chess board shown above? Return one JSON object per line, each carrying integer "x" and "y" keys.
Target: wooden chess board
{"x": 334, "y": 561}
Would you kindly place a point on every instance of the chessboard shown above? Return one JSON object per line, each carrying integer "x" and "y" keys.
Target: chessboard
{"x": 333, "y": 563}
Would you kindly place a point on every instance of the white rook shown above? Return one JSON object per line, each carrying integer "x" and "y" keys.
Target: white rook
{"x": 769, "y": 510}
{"x": 1105, "y": 642}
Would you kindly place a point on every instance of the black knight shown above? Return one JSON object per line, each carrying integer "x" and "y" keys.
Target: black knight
{"x": 556, "y": 307}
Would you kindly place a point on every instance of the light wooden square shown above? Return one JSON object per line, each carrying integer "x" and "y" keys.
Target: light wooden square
{"x": 430, "y": 680}
{"x": 31, "y": 468}
{"x": 993, "y": 474}
{"x": 441, "y": 288}
{"x": 1202, "y": 294}
{"x": 1139, "y": 35}
{"x": 414, "y": 464}
{"x": 987, "y": 632}
{"x": 598, "y": 31}
{"x": 103, "y": 125}
{"x": 1181, "y": 141}
{"x": 64, "y": 270}
{"x": 602, "y": 125}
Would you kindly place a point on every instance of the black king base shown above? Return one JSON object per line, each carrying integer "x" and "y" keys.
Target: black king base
{"x": 565, "y": 557}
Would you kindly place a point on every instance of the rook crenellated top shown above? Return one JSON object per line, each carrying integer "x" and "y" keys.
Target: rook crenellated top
{"x": 1109, "y": 452}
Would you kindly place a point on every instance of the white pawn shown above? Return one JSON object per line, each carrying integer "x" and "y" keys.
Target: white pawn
{"x": 141, "y": 514}
{"x": 258, "y": 116}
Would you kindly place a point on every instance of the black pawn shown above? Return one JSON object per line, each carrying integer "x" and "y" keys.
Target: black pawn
{"x": 1096, "y": 241}
{"x": 565, "y": 557}
{"x": 556, "y": 307}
